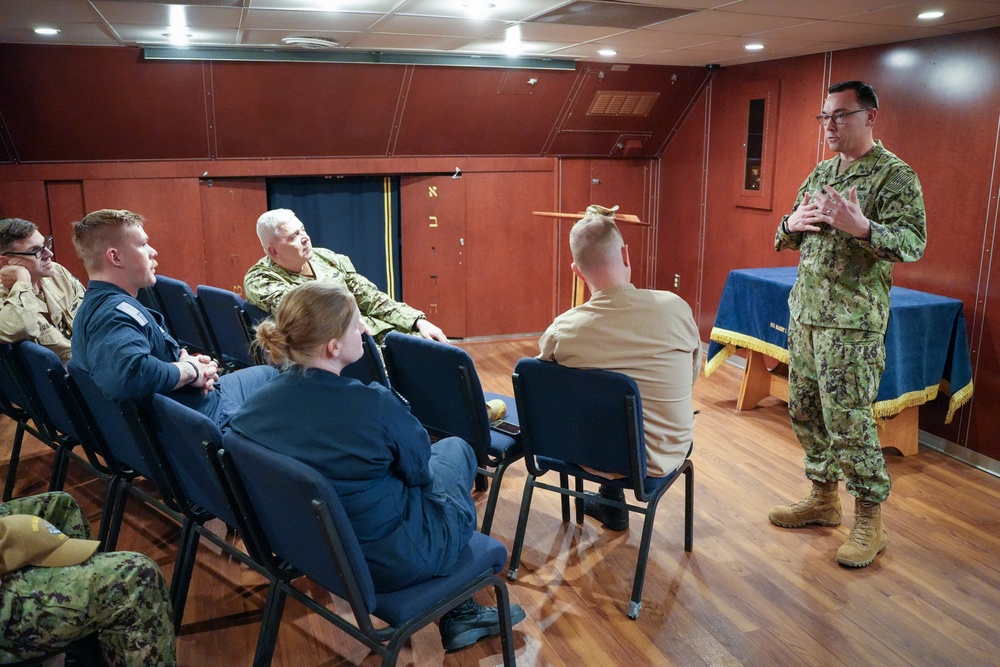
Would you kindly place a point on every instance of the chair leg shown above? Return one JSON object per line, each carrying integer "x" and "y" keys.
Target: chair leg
{"x": 60, "y": 467}
{"x": 522, "y": 523}
{"x": 491, "y": 500}
{"x": 578, "y": 502}
{"x": 481, "y": 483}
{"x": 506, "y": 633}
{"x": 114, "y": 513}
{"x": 187, "y": 551}
{"x": 15, "y": 458}
{"x": 635, "y": 604}
{"x": 268, "y": 636}
{"x": 688, "y": 506}
{"x": 564, "y": 483}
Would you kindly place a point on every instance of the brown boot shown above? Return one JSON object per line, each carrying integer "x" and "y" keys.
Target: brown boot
{"x": 820, "y": 508}
{"x": 867, "y": 539}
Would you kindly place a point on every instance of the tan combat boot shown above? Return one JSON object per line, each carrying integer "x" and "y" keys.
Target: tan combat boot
{"x": 867, "y": 539}
{"x": 820, "y": 508}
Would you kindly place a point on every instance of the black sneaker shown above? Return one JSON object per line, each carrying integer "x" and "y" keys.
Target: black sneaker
{"x": 613, "y": 518}
{"x": 470, "y": 621}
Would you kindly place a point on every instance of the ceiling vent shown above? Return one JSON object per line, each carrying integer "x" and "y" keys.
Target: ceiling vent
{"x": 311, "y": 42}
{"x": 610, "y": 14}
{"x": 621, "y": 103}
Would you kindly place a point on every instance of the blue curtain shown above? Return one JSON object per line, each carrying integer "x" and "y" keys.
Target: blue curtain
{"x": 357, "y": 216}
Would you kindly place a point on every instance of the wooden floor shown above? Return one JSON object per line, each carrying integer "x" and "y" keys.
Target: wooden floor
{"x": 749, "y": 593}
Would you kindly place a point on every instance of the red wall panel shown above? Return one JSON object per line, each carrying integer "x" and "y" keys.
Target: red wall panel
{"x": 172, "y": 208}
{"x": 682, "y": 197}
{"x": 304, "y": 109}
{"x": 26, "y": 200}
{"x": 66, "y": 206}
{"x": 461, "y": 111}
{"x": 510, "y": 282}
{"x": 229, "y": 212}
{"x": 86, "y": 103}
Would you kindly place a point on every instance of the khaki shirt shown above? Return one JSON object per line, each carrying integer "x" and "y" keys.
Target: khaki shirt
{"x": 843, "y": 281}
{"x": 650, "y": 336}
{"x": 46, "y": 318}
{"x": 266, "y": 284}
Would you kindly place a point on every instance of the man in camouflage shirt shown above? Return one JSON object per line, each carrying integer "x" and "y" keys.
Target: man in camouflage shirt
{"x": 291, "y": 260}
{"x": 855, "y": 215}
{"x": 120, "y": 596}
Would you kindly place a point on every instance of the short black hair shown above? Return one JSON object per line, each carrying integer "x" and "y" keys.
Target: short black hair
{"x": 863, "y": 89}
{"x": 14, "y": 229}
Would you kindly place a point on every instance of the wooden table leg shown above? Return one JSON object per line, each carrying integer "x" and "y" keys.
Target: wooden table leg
{"x": 756, "y": 384}
{"x": 759, "y": 382}
{"x": 900, "y": 431}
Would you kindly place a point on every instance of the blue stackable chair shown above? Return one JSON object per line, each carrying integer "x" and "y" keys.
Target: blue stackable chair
{"x": 289, "y": 509}
{"x": 183, "y": 316}
{"x": 443, "y": 389}
{"x": 175, "y": 437}
{"x": 369, "y": 368}
{"x": 113, "y": 437}
{"x": 571, "y": 419}
{"x": 15, "y": 403}
{"x": 42, "y": 370}
{"x": 227, "y": 326}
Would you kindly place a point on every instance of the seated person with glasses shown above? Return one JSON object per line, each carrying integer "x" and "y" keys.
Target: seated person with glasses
{"x": 38, "y": 298}
{"x": 409, "y": 503}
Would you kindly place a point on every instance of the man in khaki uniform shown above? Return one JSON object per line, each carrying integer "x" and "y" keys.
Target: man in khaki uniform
{"x": 38, "y": 298}
{"x": 648, "y": 335}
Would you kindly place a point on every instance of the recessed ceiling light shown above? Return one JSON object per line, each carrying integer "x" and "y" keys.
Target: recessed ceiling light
{"x": 607, "y": 52}
{"x": 927, "y": 16}
{"x": 48, "y": 32}
{"x": 478, "y": 8}
{"x": 311, "y": 42}
{"x": 754, "y": 47}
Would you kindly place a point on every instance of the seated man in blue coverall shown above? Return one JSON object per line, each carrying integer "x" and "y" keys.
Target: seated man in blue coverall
{"x": 123, "y": 346}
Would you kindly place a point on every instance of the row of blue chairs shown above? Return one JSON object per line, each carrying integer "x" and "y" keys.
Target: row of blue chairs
{"x": 289, "y": 516}
{"x": 570, "y": 420}
{"x": 212, "y": 320}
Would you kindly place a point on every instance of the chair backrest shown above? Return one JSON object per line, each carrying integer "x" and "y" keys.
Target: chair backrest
{"x": 223, "y": 311}
{"x": 108, "y": 423}
{"x": 38, "y": 364}
{"x": 181, "y": 311}
{"x": 591, "y": 418}
{"x": 442, "y": 386}
{"x": 256, "y": 314}
{"x": 279, "y": 499}
{"x": 11, "y": 398}
{"x": 369, "y": 368}
{"x": 177, "y": 436}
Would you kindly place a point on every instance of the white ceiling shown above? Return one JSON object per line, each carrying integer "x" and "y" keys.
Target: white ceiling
{"x": 716, "y": 31}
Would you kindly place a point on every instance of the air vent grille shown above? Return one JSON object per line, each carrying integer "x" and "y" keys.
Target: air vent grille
{"x": 622, "y": 103}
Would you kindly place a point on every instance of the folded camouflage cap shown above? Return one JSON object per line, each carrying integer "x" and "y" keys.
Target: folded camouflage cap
{"x": 30, "y": 540}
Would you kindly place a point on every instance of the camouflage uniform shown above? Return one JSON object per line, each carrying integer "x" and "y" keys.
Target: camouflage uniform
{"x": 266, "y": 284}
{"x": 121, "y": 596}
{"x": 839, "y": 309}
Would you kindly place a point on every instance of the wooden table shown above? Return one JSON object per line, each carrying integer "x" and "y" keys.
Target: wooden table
{"x": 926, "y": 350}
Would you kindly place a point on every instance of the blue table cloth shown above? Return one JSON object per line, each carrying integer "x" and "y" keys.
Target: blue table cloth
{"x": 926, "y": 348}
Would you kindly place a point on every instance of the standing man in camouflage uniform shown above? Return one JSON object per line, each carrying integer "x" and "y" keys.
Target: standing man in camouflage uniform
{"x": 55, "y": 590}
{"x": 291, "y": 260}
{"x": 855, "y": 215}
